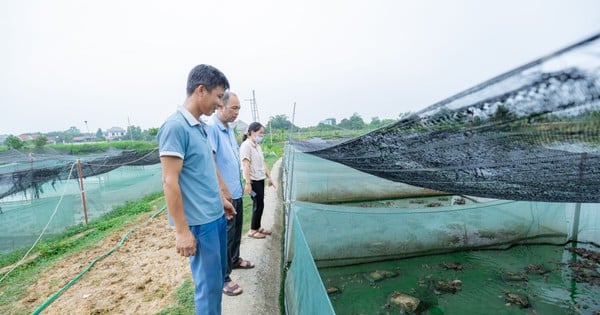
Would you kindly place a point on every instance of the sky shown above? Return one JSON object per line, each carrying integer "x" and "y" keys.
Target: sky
{"x": 114, "y": 63}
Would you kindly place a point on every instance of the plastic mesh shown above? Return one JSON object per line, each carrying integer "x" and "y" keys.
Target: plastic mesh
{"x": 23, "y": 218}
{"x": 530, "y": 134}
{"x": 25, "y": 173}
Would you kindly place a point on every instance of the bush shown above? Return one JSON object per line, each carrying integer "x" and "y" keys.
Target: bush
{"x": 14, "y": 142}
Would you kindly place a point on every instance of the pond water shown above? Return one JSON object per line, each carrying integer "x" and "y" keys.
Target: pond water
{"x": 474, "y": 282}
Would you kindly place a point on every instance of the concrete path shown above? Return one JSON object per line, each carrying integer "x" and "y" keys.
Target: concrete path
{"x": 262, "y": 284}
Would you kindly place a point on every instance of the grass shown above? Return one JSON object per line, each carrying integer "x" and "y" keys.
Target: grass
{"x": 99, "y": 147}
{"x": 72, "y": 241}
{"x": 91, "y": 147}
{"x": 185, "y": 300}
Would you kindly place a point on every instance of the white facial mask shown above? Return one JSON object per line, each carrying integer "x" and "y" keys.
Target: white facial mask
{"x": 258, "y": 139}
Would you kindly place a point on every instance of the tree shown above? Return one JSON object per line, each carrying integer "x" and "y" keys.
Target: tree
{"x": 279, "y": 122}
{"x": 73, "y": 130}
{"x": 99, "y": 134}
{"x": 503, "y": 114}
{"x": 345, "y": 123}
{"x": 375, "y": 122}
{"x": 40, "y": 141}
{"x": 354, "y": 122}
{"x": 134, "y": 133}
{"x": 153, "y": 131}
{"x": 14, "y": 142}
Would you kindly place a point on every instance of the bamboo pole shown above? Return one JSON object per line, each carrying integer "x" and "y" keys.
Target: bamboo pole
{"x": 85, "y": 214}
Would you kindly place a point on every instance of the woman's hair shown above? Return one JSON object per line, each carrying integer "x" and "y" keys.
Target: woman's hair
{"x": 254, "y": 127}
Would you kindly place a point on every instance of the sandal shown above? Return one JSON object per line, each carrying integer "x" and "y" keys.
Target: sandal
{"x": 265, "y": 232}
{"x": 243, "y": 264}
{"x": 256, "y": 234}
{"x": 232, "y": 290}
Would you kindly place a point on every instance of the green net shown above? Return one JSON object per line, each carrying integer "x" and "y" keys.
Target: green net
{"x": 342, "y": 231}
{"x": 514, "y": 161}
{"x": 23, "y": 218}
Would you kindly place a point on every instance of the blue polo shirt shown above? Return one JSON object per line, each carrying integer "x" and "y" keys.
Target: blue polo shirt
{"x": 182, "y": 136}
{"x": 227, "y": 152}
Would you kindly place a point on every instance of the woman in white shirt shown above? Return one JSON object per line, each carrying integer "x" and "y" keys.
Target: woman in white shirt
{"x": 255, "y": 172}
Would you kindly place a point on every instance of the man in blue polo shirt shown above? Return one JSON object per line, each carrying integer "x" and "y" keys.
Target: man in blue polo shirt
{"x": 192, "y": 190}
{"x": 226, "y": 149}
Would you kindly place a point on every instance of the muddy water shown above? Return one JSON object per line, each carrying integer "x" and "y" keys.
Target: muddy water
{"x": 490, "y": 282}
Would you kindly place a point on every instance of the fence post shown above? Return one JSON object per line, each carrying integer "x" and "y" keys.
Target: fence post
{"x": 85, "y": 215}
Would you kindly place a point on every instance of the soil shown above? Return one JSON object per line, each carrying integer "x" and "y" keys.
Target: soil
{"x": 142, "y": 276}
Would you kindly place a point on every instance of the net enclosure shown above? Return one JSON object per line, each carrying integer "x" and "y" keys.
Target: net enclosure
{"x": 22, "y": 173}
{"x": 41, "y": 192}
{"x": 529, "y": 134}
{"x": 512, "y": 161}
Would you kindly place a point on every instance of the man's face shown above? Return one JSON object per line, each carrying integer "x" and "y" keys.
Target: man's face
{"x": 210, "y": 100}
{"x": 230, "y": 112}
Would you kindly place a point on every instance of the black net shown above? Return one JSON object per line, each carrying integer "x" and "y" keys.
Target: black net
{"x": 21, "y": 172}
{"x": 529, "y": 134}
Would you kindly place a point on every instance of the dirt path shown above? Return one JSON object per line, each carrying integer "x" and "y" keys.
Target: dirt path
{"x": 141, "y": 277}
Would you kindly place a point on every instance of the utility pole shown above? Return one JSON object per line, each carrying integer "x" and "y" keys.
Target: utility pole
{"x": 292, "y": 126}
{"x": 254, "y": 107}
{"x": 129, "y": 129}
{"x": 89, "y": 136}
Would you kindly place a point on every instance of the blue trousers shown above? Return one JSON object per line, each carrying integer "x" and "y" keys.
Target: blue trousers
{"x": 209, "y": 265}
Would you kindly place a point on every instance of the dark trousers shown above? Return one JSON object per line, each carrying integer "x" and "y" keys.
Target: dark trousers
{"x": 234, "y": 237}
{"x": 258, "y": 203}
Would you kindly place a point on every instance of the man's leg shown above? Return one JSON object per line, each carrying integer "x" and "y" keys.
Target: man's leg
{"x": 209, "y": 266}
{"x": 237, "y": 231}
{"x": 231, "y": 223}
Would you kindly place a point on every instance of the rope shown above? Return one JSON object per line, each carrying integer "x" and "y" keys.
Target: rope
{"x": 82, "y": 273}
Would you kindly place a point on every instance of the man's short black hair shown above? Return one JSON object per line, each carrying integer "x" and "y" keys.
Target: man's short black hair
{"x": 208, "y": 76}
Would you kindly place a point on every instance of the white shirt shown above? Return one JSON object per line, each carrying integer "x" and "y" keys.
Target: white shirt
{"x": 253, "y": 153}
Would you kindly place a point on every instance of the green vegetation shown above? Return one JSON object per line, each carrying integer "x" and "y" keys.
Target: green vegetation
{"x": 99, "y": 147}
{"x": 73, "y": 240}
{"x": 40, "y": 141}
{"x": 14, "y": 142}
{"x": 185, "y": 300}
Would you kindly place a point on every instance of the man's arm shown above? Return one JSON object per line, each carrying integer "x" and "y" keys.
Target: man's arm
{"x": 225, "y": 193}
{"x": 185, "y": 242}
{"x": 225, "y": 196}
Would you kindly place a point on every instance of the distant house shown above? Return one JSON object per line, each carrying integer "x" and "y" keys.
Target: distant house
{"x": 27, "y": 137}
{"x": 328, "y": 121}
{"x": 114, "y": 133}
{"x": 51, "y": 140}
{"x": 3, "y": 138}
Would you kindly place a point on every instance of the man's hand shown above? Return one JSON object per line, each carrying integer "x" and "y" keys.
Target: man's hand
{"x": 229, "y": 209}
{"x": 247, "y": 188}
{"x": 226, "y": 195}
{"x": 185, "y": 242}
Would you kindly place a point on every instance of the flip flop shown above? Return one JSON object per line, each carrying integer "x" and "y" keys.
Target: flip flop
{"x": 244, "y": 264}
{"x": 265, "y": 232}
{"x": 232, "y": 290}
{"x": 256, "y": 234}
